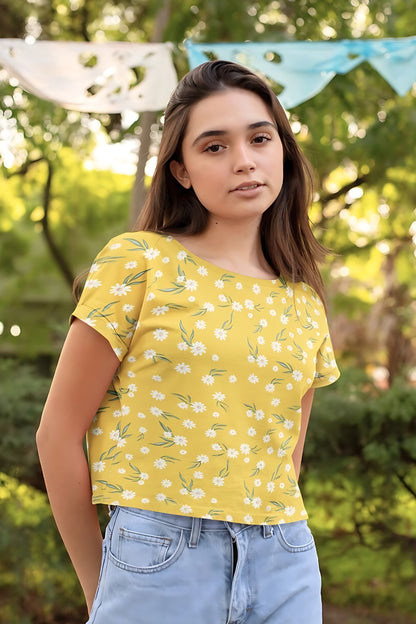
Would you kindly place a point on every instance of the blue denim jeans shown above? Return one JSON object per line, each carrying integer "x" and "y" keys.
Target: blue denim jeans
{"x": 160, "y": 568}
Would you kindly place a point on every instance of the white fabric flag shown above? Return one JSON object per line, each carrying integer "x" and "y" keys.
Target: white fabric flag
{"x": 108, "y": 77}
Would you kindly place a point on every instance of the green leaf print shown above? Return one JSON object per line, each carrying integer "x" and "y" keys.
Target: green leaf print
{"x": 279, "y": 505}
{"x": 101, "y": 312}
{"x": 142, "y": 245}
{"x": 226, "y": 277}
{"x": 326, "y": 358}
{"x": 108, "y": 259}
{"x": 276, "y": 473}
{"x": 166, "y": 415}
{"x": 108, "y": 455}
{"x": 165, "y": 499}
{"x": 217, "y": 372}
{"x": 179, "y": 285}
{"x": 183, "y": 398}
{"x": 280, "y": 337}
{"x": 228, "y": 302}
{"x": 188, "y": 486}
{"x": 298, "y": 354}
{"x": 227, "y": 325}
{"x": 212, "y": 513}
{"x": 294, "y": 489}
{"x": 286, "y": 311}
{"x": 276, "y": 381}
{"x": 185, "y": 337}
{"x": 114, "y": 394}
{"x": 270, "y": 520}
{"x": 187, "y": 258}
{"x": 287, "y": 368}
{"x": 165, "y": 428}
{"x": 254, "y": 352}
{"x": 156, "y": 356}
{"x": 224, "y": 472}
{"x": 168, "y": 459}
{"x": 176, "y": 288}
{"x": 135, "y": 469}
{"x": 250, "y": 493}
{"x": 164, "y": 442}
{"x": 111, "y": 486}
{"x": 133, "y": 280}
{"x": 286, "y": 444}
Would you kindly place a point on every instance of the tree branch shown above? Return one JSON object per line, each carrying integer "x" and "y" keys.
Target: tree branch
{"x": 325, "y": 199}
{"x": 25, "y": 167}
{"x": 405, "y": 484}
{"x": 52, "y": 246}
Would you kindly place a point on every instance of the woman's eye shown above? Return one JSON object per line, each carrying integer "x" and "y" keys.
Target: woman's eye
{"x": 261, "y": 139}
{"x": 214, "y": 148}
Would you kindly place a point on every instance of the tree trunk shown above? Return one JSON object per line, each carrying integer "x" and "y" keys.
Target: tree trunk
{"x": 53, "y": 248}
{"x": 138, "y": 194}
{"x": 396, "y": 301}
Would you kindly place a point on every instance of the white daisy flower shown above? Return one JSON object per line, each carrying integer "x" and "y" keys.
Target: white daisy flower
{"x": 128, "y": 494}
{"x": 151, "y": 253}
{"x": 120, "y": 289}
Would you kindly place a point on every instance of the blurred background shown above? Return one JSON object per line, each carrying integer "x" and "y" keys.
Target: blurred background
{"x": 70, "y": 180}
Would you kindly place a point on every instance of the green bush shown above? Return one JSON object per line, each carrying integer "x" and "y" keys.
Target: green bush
{"x": 37, "y": 581}
{"x": 23, "y": 393}
{"x": 359, "y": 484}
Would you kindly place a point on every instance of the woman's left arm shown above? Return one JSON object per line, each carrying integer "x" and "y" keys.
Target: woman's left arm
{"x": 306, "y": 406}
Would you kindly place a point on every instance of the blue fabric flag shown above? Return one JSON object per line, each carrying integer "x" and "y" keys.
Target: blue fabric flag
{"x": 304, "y": 68}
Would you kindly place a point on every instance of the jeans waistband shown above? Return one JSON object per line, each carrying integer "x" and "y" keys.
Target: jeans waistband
{"x": 197, "y": 525}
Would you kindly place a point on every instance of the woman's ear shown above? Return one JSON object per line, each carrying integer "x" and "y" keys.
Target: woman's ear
{"x": 180, "y": 174}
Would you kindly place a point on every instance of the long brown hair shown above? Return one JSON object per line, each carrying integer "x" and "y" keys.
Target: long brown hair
{"x": 287, "y": 240}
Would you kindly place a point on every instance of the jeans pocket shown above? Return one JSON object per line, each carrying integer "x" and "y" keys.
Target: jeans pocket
{"x": 144, "y": 545}
{"x": 295, "y": 536}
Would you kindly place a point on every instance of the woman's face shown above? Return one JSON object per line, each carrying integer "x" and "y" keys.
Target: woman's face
{"x": 232, "y": 156}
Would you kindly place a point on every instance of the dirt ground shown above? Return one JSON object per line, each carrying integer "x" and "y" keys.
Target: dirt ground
{"x": 341, "y": 615}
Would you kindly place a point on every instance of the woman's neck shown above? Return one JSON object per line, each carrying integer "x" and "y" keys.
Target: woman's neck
{"x": 234, "y": 247}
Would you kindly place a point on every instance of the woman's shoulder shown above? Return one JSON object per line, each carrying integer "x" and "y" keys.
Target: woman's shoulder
{"x": 134, "y": 241}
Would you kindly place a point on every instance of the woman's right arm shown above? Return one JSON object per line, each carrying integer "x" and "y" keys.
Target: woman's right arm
{"x": 84, "y": 372}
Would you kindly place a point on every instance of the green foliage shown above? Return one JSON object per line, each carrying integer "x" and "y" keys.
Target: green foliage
{"x": 37, "y": 582}
{"x": 360, "y": 488}
{"x": 356, "y": 426}
{"x": 33, "y": 293}
{"x": 23, "y": 392}
{"x": 361, "y": 449}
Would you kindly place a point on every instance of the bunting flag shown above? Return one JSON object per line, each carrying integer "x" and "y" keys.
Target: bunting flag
{"x": 113, "y": 77}
{"x": 304, "y": 68}
{"x": 106, "y": 77}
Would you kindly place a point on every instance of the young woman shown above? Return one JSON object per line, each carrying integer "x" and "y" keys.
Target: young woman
{"x": 191, "y": 364}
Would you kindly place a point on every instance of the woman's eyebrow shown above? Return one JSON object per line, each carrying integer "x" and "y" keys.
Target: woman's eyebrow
{"x": 212, "y": 133}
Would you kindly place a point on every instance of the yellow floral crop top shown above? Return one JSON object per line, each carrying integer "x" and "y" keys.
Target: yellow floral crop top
{"x": 203, "y": 413}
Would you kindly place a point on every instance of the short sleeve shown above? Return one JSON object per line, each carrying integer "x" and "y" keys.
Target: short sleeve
{"x": 326, "y": 369}
{"x": 113, "y": 294}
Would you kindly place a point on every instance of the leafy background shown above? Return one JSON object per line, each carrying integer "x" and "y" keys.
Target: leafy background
{"x": 57, "y": 208}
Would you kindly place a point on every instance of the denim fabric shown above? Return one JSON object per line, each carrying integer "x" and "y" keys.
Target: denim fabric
{"x": 162, "y": 568}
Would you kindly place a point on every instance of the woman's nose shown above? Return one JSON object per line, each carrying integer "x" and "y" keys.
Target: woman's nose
{"x": 243, "y": 159}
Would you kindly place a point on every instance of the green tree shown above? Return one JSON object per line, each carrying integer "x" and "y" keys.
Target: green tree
{"x": 357, "y": 132}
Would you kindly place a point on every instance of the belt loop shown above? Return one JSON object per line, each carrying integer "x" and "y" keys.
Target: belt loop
{"x": 195, "y": 532}
{"x": 268, "y": 531}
